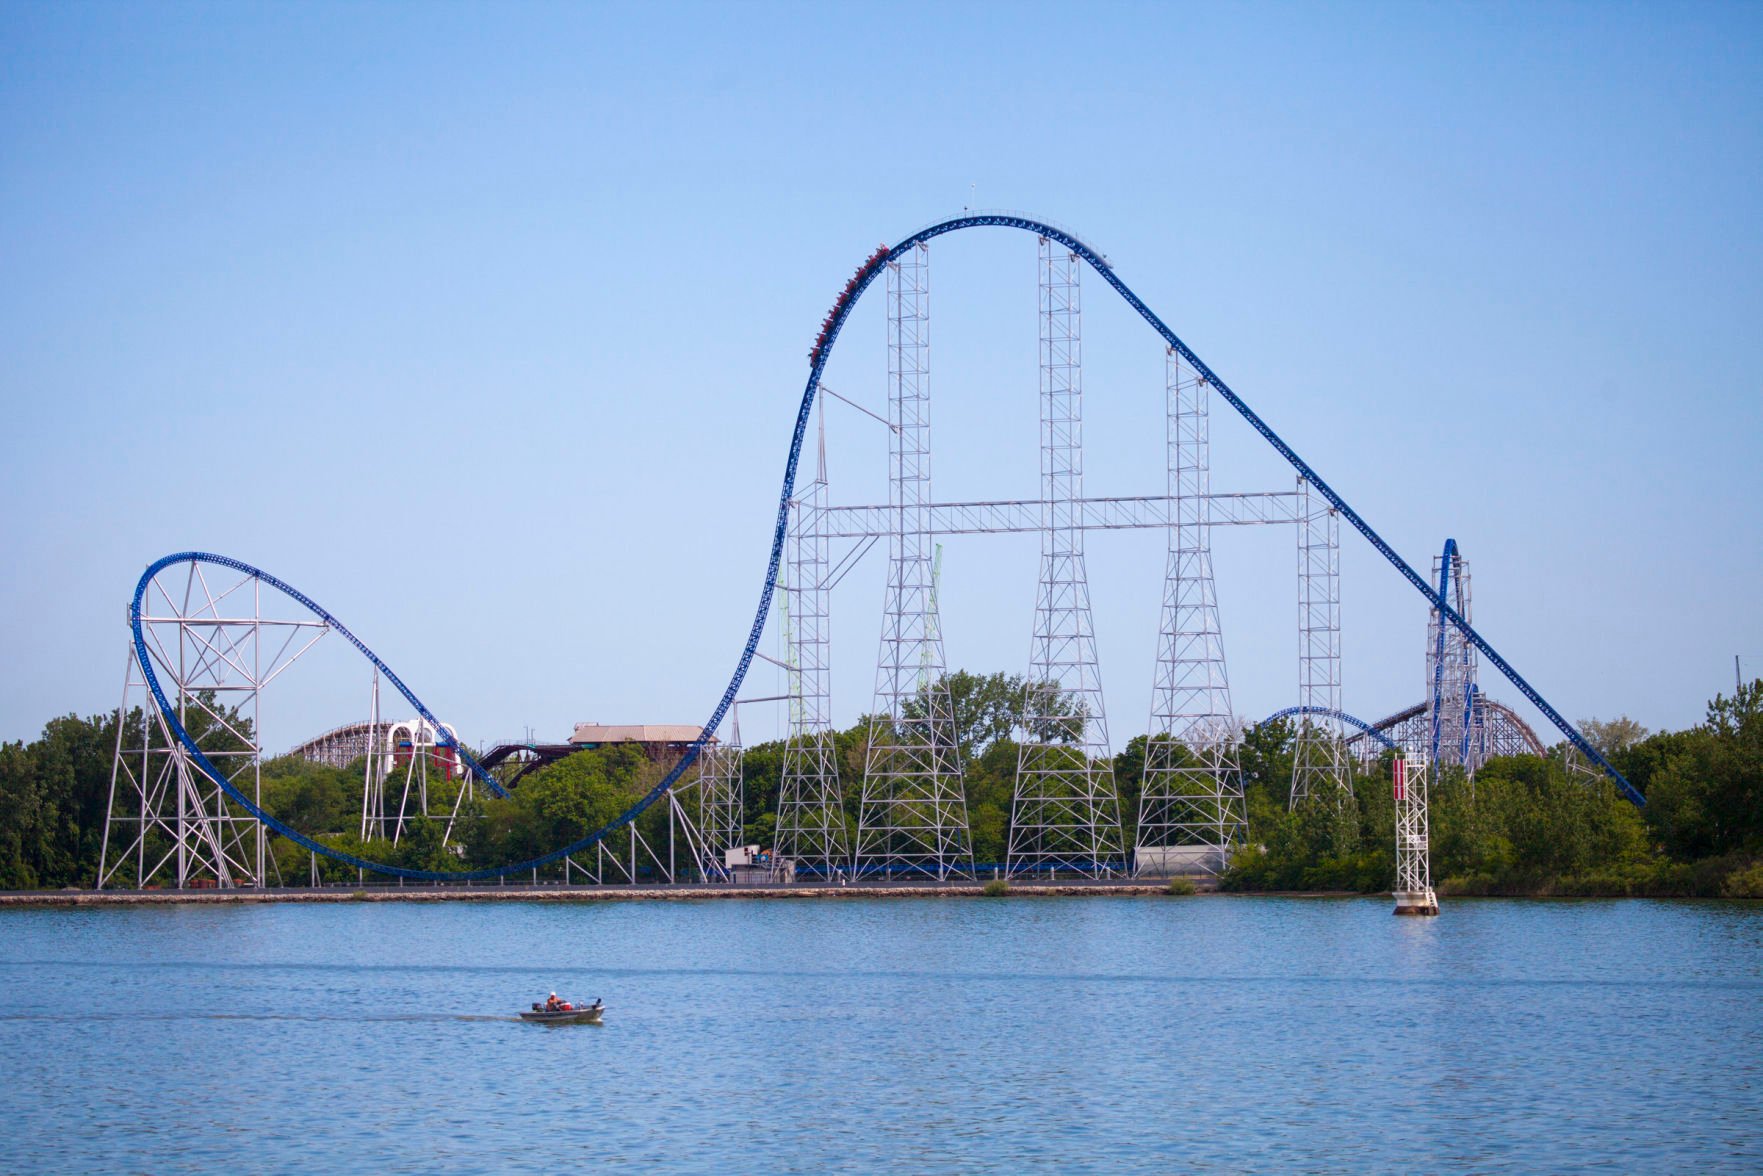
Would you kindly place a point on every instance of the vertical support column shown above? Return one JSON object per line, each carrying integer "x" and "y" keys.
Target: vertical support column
{"x": 720, "y": 800}
{"x": 181, "y": 762}
{"x": 262, "y": 832}
{"x": 913, "y": 814}
{"x": 373, "y": 782}
{"x": 1467, "y": 668}
{"x": 1319, "y": 770}
{"x": 810, "y": 809}
{"x": 1191, "y": 811}
{"x": 129, "y": 830}
{"x": 179, "y": 824}
{"x": 1450, "y": 670}
{"x": 1065, "y": 814}
{"x": 1414, "y": 894}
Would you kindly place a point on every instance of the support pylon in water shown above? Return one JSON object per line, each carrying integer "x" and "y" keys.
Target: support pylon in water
{"x": 1064, "y": 814}
{"x": 1414, "y": 895}
{"x": 913, "y": 814}
{"x": 1191, "y": 811}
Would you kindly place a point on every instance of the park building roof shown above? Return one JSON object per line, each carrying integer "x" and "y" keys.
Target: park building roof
{"x": 598, "y": 734}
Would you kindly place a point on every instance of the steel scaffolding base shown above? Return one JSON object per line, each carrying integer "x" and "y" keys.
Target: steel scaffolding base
{"x": 913, "y": 814}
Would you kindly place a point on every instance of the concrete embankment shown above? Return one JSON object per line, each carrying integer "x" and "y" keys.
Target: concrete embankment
{"x": 683, "y": 893}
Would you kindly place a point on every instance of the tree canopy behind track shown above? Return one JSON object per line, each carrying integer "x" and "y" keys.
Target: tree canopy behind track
{"x": 1522, "y": 826}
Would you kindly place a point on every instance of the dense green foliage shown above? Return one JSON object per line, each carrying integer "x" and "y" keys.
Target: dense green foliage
{"x": 53, "y": 794}
{"x": 1530, "y": 826}
{"x": 1522, "y": 826}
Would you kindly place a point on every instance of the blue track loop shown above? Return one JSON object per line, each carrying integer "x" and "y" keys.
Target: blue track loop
{"x": 169, "y": 711}
{"x": 836, "y": 321}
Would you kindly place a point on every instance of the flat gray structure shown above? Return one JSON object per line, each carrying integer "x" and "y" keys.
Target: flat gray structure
{"x": 655, "y": 739}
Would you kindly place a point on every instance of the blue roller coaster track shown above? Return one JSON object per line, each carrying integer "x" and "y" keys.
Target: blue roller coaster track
{"x": 1292, "y": 712}
{"x": 818, "y": 357}
{"x": 1447, "y": 569}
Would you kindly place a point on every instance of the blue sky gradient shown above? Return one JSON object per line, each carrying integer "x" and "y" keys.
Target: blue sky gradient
{"x": 484, "y": 325}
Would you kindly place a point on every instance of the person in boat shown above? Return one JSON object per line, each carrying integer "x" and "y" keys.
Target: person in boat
{"x": 552, "y": 1003}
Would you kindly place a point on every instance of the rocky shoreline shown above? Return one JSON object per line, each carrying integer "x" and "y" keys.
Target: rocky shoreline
{"x": 683, "y": 893}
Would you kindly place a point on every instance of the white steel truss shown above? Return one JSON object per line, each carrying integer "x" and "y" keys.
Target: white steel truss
{"x": 1495, "y": 730}
{"x": 1319, "y": 762}
{"x": 720, "y": 797}
{"x": 400, "y": 757}
{"x": 913, "y": 813}
{"x": 1454, "y": 735}
{"x": 342, "y": 746}
{"x": 1191, "y": 810}
{"x": 684, "y": 847}
{"x": 1065, "y": 809}
{"x": 1090, "y": 514}
{"x": 810, "y": 808}
{"x": 373, "y": 790}
{"x": 1414, "y": 893}
{"x": 212, "y": 653}
{"x": 1064, "y": 814}
{"x": 215, "y": 647}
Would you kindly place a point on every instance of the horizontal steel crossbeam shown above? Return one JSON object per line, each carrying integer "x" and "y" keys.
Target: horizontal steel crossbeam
{"x": 1093, "y": 514}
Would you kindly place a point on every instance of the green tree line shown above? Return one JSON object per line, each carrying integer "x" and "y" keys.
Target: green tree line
{"x": 1523, "y": 825}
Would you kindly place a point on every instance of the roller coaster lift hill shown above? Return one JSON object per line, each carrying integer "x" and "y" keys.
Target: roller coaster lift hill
{"x": 817, "y": 358}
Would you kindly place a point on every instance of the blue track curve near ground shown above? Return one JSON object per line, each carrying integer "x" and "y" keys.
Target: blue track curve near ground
{"x": 817, "y": 363}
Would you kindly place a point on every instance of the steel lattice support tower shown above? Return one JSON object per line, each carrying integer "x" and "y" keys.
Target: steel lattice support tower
{"x": 1414, "y": 893}
{"x": 1191, "y": 810}
{"x": 810, "y": 809}
{"x": 377, "y": 742}
{"x": 1319, "y": 767}
{"x": 913, "y": 815}
{"x": 166, "y": 822}
{"x": 1453, "y": 735}
{"x": 212, "y": 652}
{"x": 720, "y": 798}
{"x": 1065, "y": 813}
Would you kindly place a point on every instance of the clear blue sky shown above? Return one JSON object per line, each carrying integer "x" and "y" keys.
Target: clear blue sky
{"x": 484, "y": 325}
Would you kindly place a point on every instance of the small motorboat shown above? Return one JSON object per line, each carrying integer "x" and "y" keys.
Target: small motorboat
{"x": 576, "y": 1015}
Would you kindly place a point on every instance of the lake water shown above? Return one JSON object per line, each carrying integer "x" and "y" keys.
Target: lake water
{"x": 861, "y": 1035}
